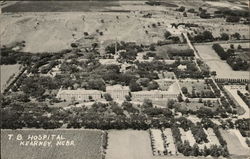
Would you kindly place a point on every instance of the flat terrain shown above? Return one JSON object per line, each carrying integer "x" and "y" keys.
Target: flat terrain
{"x": 6, "y": 72}
{"x": 221, "y": 67}
{"x": 128, "y": 144}
{"x": 86, "y": 144}
{"x": 233, "y": 143}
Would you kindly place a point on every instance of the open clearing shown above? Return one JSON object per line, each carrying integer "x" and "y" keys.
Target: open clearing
{"x": 233, "y": 143}
{"x": 6, "y": 72}
{"x": 128, "y": 144}
{"x": 221, "y": 67}
{"x": 87, "y": 144}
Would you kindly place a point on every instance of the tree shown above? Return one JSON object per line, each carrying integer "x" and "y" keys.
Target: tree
{"x": 170, "y": 103}
{"x": 181, "y": 9}
{"x": 200, "y": 100}
{"x": 134, "y": 86}
{"x": 147, "y": 103}
{"x": 239, "y": 47}
{"x": 116, "y": 109}
{"x": 153, "y": 85}
{"x": 208, "y": 35}
{"x": 152, "y": 47}
{"x": 167, "y": 34}
{"x": 236, "y": 36}
{"x": 184, "y": 14}
{"x": 184, "y": 90}
{"x": 195, "y": 150}
{"x": 224, "y": 36}
{"x": 108, "y": 97}
{"x": 187, "y": 100}
{"x": 128, "y": 97}
{"x": 179, "y": 98}
{"x": 97, "y": 84}
{"x": 129, "y": 107}
{"x": 233, "y": 19}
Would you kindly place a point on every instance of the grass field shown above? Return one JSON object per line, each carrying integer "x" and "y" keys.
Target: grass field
{"x": 233, "y": 144}
{"x": 82, "y": 144}
{"x": 6, "y": 72}
{"x": 128, "y": 144}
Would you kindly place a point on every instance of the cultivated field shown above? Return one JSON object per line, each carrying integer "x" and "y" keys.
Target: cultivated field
{"x": 84, "y": 144}
{"x": 233, "y": 143}
{"x": 128, "y": 144}
{"x": 222, "y": 69}
{"x": 6, "y": 72}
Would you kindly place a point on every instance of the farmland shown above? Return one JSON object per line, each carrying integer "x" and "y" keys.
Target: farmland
{"x": 78, "y": 140}
{"x": 130, "y": 144}
{"x": 7, "y": 72}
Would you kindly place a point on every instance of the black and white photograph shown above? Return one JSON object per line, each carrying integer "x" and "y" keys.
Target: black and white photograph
{"x": 125, "y": 79}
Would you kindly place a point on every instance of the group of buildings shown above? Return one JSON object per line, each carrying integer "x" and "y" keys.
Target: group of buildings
{"x": 117, "y": 92}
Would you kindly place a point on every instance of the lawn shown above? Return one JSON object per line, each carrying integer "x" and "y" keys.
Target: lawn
{"x": 8, "y": 71}
{"x": 233, "y": 143}
{"x": 84, "y": 144}
{"x": 128, "y": 144}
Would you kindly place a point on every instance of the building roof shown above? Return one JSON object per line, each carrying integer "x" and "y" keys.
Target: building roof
{"x": 117, "y": 87}
{"x": 109, "y": 62}
{"x": 151, "y": 92}
{"x": 79, "y": 91}
{"x": 182, "y": 67}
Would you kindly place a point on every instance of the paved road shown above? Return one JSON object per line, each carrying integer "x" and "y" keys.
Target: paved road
{"x": 233, "y": 92}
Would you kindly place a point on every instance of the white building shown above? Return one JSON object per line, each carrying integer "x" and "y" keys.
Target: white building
{"x": 118, "y": 91}
{"x": 79, "y": 95}
{"x": 109, "y": 62}
{"x": 153, "y": 94}
{"x": 182, "y": 67}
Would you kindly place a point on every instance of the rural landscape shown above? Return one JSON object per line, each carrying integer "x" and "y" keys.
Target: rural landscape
{"x": 117, "y": 79}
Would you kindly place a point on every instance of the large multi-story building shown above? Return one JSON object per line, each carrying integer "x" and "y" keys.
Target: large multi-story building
{"x": 118, "y": 91}
{"x": 79, "y": 95}
{"x": 153, "y": 94}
